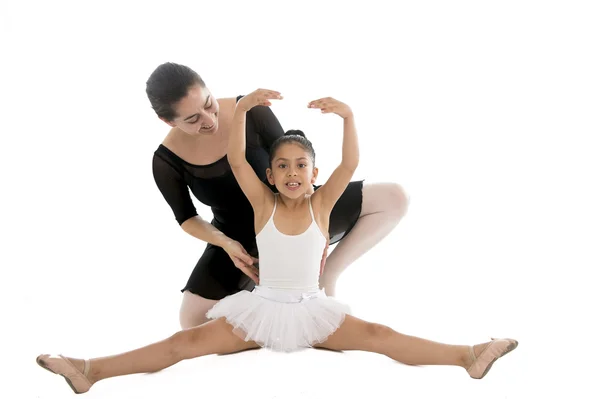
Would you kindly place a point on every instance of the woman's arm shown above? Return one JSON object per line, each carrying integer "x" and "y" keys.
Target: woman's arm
{"x": 254, "y": 189}
{"x": 175, "y": 191}
{"x": 170, "y": 182}
{"x": 205, "y": 231}
{"x": 331, "y": 191}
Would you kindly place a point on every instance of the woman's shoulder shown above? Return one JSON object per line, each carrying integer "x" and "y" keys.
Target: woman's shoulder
{"x": 228, "y": 100}
{"x": 170, "y": 142}
{"x": 173, "y": 147}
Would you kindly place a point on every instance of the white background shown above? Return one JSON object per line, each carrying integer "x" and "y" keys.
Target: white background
{"x": 486, "y": 112}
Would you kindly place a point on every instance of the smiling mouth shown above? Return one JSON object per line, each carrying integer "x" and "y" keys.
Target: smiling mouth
{"x": 293, "y": 184}
{"x": 205, "y": 127}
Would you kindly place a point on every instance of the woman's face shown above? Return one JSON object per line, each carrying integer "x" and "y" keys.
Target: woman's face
{"x": 197, "y": 112}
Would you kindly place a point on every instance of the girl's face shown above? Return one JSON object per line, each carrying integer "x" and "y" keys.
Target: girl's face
{"x": 293, "y": 172}
{"x": 197, "y": 112}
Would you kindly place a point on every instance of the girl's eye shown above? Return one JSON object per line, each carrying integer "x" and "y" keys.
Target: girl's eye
{"x": 282, "y": 166}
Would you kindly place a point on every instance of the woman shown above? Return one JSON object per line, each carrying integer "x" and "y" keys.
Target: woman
{"x": 192, "y": 157}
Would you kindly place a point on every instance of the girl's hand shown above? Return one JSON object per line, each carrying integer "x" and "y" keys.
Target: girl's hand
{"x": 241, "y": 259}
{"x": 258, "y": 97}
{"x": 328, "y": 105}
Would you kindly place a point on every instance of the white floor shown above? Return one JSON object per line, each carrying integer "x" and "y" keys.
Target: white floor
{"x": 113, "y": 310}
{"x": 486, "y": 113}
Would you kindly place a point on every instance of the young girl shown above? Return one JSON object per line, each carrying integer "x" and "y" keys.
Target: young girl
{"x": 286, "y": 311}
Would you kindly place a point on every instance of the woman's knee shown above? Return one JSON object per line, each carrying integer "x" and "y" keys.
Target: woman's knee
{"x": 397, "y": 199}
{"x": 391, "y": 198}
{"x": 193, "y": 310}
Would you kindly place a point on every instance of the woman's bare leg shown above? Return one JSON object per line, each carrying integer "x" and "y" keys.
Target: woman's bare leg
{"x": 214, "y": 337}
{"x": 193, "y": 310}
{"x": 383, "y": 206}
{"x": 357, "y": 334}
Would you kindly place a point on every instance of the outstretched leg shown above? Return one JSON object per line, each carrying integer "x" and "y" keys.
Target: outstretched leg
{"x": 383, "y": 206}
{"x": 214, "y": 337}
{"x": 357, "y": 334}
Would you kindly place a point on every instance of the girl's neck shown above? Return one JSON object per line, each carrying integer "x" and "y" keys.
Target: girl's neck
{"x": 293, "y": 203}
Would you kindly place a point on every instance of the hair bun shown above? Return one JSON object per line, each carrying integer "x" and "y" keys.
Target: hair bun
{"x": 295, "y": 133}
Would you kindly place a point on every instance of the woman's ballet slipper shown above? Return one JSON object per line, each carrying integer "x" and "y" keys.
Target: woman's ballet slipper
{"x": 77, "y": 380}
{"x": 492, "y": 352}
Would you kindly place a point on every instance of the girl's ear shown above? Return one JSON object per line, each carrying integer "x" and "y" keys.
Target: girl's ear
{"x": 314, "y": 176}
{"x": 270, "y": 177}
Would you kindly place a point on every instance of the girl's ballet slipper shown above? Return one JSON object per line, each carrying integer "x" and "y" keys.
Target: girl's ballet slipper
{"x": 492, "y": 352}
{"x": 78, "y": 381}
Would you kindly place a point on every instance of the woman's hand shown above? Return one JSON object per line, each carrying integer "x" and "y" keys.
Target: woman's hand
{"x": 331, "y": 105}
{"x": 258, "y": 97}
{"x": 241, "y": 259}
{"x": 324, "y": 257}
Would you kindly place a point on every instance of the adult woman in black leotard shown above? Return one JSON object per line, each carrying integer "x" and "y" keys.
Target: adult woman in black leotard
{"x": 192, "y": 157}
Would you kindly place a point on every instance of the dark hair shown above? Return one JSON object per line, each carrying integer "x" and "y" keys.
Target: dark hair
{"x": 294, "y": 137}
{"x": 168, "y": 84}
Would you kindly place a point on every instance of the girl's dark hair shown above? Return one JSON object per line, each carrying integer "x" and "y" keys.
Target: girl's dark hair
{"x": 168, "y": 84}
{"x": 294, "y": 137}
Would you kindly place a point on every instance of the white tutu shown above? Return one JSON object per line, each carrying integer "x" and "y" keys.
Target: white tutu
{"x": 281, "y": 320}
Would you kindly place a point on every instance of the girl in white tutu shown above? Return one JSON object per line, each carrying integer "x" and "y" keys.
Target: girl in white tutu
{"x": 286, "y": 311}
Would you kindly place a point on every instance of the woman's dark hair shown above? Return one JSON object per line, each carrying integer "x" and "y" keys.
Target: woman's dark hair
{"x": 293, "y": 137}
{"x": 168, "y": 84}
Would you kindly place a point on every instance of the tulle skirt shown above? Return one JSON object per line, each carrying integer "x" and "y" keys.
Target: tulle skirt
{"x": 281, "y": 320}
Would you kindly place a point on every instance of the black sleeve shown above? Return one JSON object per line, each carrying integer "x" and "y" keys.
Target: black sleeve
{"x": 266, "y": 124}
{"x": 173, "y": 188}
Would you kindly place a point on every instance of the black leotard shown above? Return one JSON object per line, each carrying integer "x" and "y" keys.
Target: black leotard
{"x": 215, "y": 275}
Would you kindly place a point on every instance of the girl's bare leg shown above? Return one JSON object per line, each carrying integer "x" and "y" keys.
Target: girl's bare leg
{"x": 357, "y": 334}
{"x": 383, "y": 206}
{"x": 214, "y": 337}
